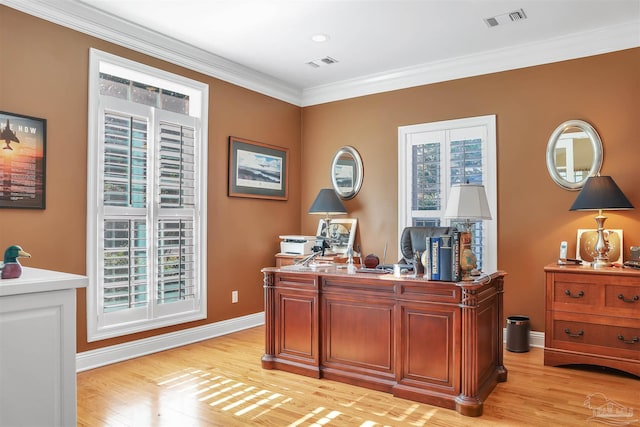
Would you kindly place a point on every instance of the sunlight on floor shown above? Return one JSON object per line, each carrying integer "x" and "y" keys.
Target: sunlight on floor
{"x": 252, "y": 402}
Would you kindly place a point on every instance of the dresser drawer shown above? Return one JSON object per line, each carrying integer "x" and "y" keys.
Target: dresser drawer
{"x": 576, "y": 290}
{"x": 621, "y": 297}
{"x": 605, "y": 339}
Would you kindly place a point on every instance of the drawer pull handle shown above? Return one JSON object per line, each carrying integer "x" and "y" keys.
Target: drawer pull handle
{"x": 580, "y": 294}
{"x": 633, "y": 340}
{"x": 576, "y": 335}
{"x": 634, "y": 299}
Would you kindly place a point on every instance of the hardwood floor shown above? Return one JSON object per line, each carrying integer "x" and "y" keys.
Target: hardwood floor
{"x": 220, "y": 382}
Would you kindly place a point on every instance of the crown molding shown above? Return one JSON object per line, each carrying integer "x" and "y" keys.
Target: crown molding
{"x": 87, "y": 20}
{"x": 577, "y": 45}
{"x": 93, "y": 22}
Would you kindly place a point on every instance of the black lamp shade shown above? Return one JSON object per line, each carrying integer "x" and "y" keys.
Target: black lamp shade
{"x": 600, "y": 192}
{"x": 327, "y": 203}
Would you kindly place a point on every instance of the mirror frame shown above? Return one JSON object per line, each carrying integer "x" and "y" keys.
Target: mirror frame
{"x": 357, "y": 184}
{"x": 596, "y": 144}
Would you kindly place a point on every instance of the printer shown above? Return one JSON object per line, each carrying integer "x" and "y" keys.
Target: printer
{"x": 297, "y": 245}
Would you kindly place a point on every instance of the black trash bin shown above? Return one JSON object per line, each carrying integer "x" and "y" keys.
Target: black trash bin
{"x": 518, "y": 334}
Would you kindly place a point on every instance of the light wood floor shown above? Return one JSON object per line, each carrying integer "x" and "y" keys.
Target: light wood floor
{"x": 220, "y": 382}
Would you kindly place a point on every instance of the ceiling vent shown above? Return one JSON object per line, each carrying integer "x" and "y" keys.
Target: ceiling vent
{"x": 327, "y": 60}
{"x": 517, "y": 15}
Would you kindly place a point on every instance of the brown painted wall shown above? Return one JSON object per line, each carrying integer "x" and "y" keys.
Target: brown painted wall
{"x": 44, "y": 73}
{"x": 529, "y": 104}
{"x": 46, "y": 77}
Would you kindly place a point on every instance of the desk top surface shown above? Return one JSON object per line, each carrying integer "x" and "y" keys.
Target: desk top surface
{"x": 341, "y": 271}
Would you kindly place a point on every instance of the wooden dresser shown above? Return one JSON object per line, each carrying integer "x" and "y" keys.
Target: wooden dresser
{"x": 593, "y": 317}
{"x": 434, "y": 342}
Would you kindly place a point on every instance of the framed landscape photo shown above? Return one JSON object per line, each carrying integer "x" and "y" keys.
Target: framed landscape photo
{"x": 22, "y": 161}
{"x": 342, "y": 233}
{"x": 258, "y": 170}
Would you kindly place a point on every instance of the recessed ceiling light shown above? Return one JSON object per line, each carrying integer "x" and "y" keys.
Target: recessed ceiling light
{"x": 320, "y": 38}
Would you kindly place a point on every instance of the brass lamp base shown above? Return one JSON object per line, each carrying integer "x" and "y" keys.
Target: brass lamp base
{"x": 602, "y": 245}
{"x": 599, "y": 263}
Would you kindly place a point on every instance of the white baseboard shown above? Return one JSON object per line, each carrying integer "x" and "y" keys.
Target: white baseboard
{"x": 104, "y": 356}
{"x": 536, "y": 339}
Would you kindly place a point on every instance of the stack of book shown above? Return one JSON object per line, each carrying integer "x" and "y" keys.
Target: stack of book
{"x": 442, "y": 256}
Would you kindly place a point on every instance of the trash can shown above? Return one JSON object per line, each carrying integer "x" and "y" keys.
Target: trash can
{"x": 518, "y": 334}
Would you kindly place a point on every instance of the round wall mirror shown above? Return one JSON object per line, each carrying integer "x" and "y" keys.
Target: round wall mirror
{"x": 574, "y": 153}
{"x": 346, "y": 172}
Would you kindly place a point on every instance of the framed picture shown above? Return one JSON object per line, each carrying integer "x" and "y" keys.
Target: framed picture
{"x": 587, "y": 239}
{"x": 342, "y": 233}
{"x": 22, "y": 161}
{"x": 258, "y": 170}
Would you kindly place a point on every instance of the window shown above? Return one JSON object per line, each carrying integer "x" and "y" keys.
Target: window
{"x": 146, "y": 224}
{"x": 434, "y": 156}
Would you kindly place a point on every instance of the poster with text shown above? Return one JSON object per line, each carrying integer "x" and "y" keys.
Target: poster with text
{"x": 22, "y": 161}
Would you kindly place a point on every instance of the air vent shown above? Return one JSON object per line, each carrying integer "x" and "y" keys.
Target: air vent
{"x": 316, "y": 63}
{"x": 328, "y": 60}
{"x": 517, "y": 15}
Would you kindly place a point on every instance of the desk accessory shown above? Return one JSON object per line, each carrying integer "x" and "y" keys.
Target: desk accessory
{"x": 467, "y": 202}
{"x": 11, "y": 268}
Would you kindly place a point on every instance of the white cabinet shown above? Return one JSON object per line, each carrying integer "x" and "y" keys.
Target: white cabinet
{"x": 38, "y": 348}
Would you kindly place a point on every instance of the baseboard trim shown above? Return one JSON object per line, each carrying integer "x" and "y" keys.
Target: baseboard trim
{"x": 117, "y": 353}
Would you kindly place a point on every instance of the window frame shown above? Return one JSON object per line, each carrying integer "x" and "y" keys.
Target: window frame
{"x": 489, "y": 178}
{"x": 154, "y": 315}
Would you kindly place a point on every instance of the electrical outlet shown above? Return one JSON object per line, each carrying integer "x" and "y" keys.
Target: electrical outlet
{"x": 234, "y": 297}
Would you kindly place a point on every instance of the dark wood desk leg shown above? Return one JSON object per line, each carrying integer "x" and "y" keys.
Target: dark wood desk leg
{"x": 268, "y": 359}
{"x": 468, "y": 402}
{"x": 500, "y": 368}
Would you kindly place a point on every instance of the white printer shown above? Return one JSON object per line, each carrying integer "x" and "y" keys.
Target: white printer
{"x": 297, "y": 245}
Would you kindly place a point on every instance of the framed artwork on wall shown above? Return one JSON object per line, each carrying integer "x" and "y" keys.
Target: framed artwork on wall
{"x": 587, "y": 238}
{"x": 342, "y": 233}
{"x": 258, "y": 170}
{"x": 22, "y": 161}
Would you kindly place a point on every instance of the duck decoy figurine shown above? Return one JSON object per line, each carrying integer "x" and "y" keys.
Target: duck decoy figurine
{"x": 11, "y": 269}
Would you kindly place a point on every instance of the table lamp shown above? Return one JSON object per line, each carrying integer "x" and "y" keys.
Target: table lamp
{"x": 467, "y": 202}
{"x": 597, "y": 194}
{"x": 327, "y": 203}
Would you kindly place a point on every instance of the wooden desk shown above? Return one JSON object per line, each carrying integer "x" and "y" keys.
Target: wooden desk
{"x": 289, "y": 259}
{"x": 434, "y": 342}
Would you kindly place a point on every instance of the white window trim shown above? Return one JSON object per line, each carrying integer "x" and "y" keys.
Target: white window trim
{"x": 199, "y": 94}
{"x": 490, "y": 243}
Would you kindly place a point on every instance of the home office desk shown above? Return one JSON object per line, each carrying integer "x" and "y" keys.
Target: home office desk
{"x": 433, "y": 342}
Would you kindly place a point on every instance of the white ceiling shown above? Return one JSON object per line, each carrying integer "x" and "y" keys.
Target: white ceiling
{"x": 370, "y": 39}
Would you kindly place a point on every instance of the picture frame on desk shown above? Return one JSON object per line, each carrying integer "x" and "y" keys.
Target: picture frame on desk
{"x": 342, "y": 233}
{"x": 258, "y": 170}
{"x": 586, "y": 242}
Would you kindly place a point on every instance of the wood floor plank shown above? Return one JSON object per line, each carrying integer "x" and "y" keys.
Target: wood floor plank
{"x": 220, "y": 382}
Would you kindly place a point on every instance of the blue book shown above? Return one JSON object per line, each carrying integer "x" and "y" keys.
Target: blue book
{"x": 435, "y": 263}
{"x": 444, "y": 258}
